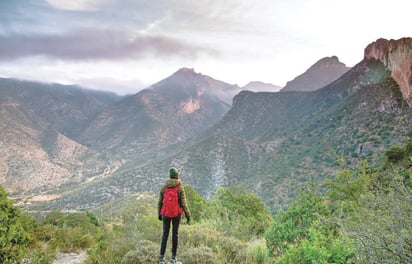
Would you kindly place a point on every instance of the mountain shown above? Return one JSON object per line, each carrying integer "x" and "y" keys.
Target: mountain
{"x": 39, "y": 125}
{"x": 167, "y": 113}
{"x": 257, "y": 86}
{"x": 274, "y": 143}
{"x": 318, "y": 75}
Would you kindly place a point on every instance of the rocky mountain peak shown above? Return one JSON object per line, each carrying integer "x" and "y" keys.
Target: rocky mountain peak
{"x": 320, "y": 74}
{"x": 186, "y": 70}
{"x": 187, "y": 82}
{"x": 396, "y": 55}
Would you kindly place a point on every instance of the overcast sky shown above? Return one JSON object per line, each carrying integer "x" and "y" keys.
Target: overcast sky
{"x": 126, "y": 45}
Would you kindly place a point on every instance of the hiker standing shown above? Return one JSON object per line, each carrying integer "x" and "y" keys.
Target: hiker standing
{"x": 172, "y": 203}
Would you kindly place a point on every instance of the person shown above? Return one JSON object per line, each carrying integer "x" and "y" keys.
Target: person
{"x": 174, "y": 181}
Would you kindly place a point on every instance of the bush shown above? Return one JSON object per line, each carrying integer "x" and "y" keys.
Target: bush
{"x": 381, "y": 227}
{"x": 227, "y": 249}
{"x": 320, "y": 246}
{"x": 146, "y": 252}
{"x": 395, "y": 153}
{"x": 238, "y": 213}
{"x": 199, "y": 255}
{"x": 292, "y": 225}
{"x": 195, "y": 202}
{"x": 195, "y": 235}
{"x": 258, "y": 252}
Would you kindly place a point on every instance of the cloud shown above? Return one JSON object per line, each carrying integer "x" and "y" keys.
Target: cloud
{"x": 92, "y": 44}
{"x": 78, "y": 5}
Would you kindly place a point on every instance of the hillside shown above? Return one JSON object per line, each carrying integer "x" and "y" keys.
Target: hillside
{"x": 275, "y": 142}
{"x": 39, "y": 123}
{"x": 167, "y": 113}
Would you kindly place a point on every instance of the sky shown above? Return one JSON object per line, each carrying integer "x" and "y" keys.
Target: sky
{"x": 127, "y": 45}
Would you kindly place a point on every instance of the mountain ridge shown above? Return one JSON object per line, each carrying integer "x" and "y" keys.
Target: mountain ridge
{"x": 276, "y": 142}
{"x": 166, "y": 113}
{"x": 272, "y": 142}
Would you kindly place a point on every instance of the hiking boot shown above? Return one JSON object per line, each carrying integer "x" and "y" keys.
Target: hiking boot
{"x": 161, "y": 260}
{"x": 173, "y": 260}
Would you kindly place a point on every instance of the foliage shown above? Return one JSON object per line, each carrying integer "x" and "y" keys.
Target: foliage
{"x": 146, "y": 252}
{"x": 258, "y": 252}
{"x": 238, "y": 213}
{"x": 199, "y": 255}
{"x": 13, "y": 236}
{"x": 321, "y": 245}
{"x": 293, "y": 224}
{"x": 55, "y": 218}
{"x": 112, "y": 244}
{"x": 195, "y": 202}
{"x": 364, "y": 216}
{"x": 382, "y": 226}
{"x": 395, "y": 153}
{"x": 348, "y": 186}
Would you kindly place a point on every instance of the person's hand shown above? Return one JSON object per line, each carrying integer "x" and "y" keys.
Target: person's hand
{"x": 160, "y": 218}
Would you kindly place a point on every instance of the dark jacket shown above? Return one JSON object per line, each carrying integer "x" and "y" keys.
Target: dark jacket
{"x": 181, "y": 193}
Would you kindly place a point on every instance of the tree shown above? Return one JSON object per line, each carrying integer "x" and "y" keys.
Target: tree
{"x": 195, "y": 202}
{"x": 293, "y": 224}
{"x": 236, "y": 207}
{"x": 381, "y": 226}
{"x": 13, "y": 237}
{"x": 304, "y": 233}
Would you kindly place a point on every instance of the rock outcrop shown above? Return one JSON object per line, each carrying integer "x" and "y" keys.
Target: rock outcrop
{"x": 396, "y": 55}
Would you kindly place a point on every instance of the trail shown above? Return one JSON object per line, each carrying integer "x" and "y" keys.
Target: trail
{"x": 70, "y": 258}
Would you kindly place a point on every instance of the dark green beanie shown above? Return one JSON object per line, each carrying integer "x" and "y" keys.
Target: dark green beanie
{"x": 173, "y": 173}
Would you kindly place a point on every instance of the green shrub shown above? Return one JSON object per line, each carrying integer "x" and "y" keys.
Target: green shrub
{"x": 195, "y": 202}
{"x": 195, "y": 235}
{"x": 258, "y": 252}
{"x": 231, "y": 250}
{"x": 381, "y": 227}
{"x": 55, "y": 218}
{"x": 395, "y": 153}
{"x": 112, "y": 244}
{"x": 237, "y": 213}
{"x": 146, "y": 252}
{"x": 293, "y": 224}
{"x": 320, "y": 246}
{"x": 199, "y": 255}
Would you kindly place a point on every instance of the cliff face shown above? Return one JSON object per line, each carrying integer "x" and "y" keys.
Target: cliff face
{"x": 397, "y": 57}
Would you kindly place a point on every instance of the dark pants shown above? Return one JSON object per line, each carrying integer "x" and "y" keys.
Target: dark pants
{"x": 175, "y": 233}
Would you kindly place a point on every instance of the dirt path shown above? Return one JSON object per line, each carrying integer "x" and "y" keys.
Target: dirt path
{"x": 70, "y": 258}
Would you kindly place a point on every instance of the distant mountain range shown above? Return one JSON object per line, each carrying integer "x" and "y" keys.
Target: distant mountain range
{"x": 272, "y": 142}
{"x": 167, "y": 113}
{"x": 261, "y": 87}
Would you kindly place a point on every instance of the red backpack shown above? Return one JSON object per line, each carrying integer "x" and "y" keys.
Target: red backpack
{"x": 171, "y": 207}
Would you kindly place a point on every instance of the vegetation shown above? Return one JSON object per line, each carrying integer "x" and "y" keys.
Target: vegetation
{"x": 363, "y": 215}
